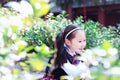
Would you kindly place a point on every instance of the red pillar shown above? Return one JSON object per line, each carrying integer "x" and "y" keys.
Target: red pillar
{"x": 101, "y": 16}
{"x": 69, "y": 10}
{"x": 85, "y": 10}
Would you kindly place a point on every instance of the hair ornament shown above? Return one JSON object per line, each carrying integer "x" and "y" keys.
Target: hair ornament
{"x": 71, "y": 32}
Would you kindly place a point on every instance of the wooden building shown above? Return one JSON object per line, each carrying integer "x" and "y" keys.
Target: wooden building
{"x": 107, "y": 12}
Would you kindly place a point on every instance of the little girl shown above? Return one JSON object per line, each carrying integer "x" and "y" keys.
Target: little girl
{"x": 70, "y": 44}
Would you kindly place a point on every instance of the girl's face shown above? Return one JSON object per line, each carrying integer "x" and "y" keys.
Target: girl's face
{"x": 78, "y": 43}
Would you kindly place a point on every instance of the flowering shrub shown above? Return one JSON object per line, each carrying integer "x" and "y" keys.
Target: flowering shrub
{"x": 49, "y": 28}
{"x": 17, "y": 62}
{"x": 45, "y": 31}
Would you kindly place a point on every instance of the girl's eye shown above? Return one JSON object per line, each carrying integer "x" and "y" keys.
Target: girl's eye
{"x": 83, "y": 41}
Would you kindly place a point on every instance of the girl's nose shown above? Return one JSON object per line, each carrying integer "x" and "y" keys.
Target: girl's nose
{"x": 83, "y": 44}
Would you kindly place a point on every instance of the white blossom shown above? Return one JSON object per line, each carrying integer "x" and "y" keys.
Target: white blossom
{"x": 9, "y": 61}
{"x": 112, "y": 51}
{"x": 21, "y": 42}
{"x": 22, "y": 55}
{"x": 1, "y": 40}
{"x": 99, "y": 51}
{"x": 23, "y": 7}
{"x": 37, "y": 5}
{"x": 14, "y": 36}
{"x": 5, "y": 70}
{"x": 27, "y": 76}
{"x": 14, "y": 57}
{"x": 3, "y": 23}
{"x": 16, "y": 21}
{"x": 95, "y": 63}
{"x": 113, "y": 71}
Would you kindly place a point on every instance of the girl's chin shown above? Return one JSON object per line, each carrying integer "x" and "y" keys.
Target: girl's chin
{"x": 79, "y": 51}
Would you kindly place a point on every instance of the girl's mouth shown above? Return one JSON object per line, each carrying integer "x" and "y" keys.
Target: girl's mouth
{"x": 81, "y": 49}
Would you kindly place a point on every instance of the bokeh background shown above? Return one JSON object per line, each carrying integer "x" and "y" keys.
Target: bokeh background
{"x": 28, "y": 29}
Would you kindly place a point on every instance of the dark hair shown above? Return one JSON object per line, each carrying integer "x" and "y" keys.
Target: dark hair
{"x": 61, "y": 56}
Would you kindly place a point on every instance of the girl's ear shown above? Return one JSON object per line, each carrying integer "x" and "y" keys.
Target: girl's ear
{"x": 67, "y": 42}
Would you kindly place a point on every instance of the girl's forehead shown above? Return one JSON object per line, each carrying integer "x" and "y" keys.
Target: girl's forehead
{"x": 80, "y": 33}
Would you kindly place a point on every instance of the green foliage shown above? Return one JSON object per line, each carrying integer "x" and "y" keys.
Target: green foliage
{"x": 44, "y": 32}
{"x": 6, "y": 13}
{"x": 96, "y": 35}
